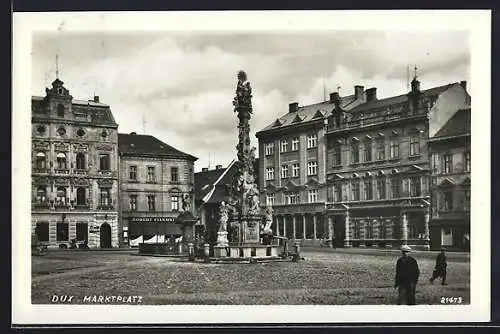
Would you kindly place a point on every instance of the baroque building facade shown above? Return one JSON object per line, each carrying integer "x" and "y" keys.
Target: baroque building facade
{"x": 355, "y": 169}
{"x": 74, "y": 170}
{"x": 450, "y": 183}
{"x": 156, "y": 185}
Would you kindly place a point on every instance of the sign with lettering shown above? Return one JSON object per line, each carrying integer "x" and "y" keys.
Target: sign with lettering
{"x": 153, "y": 219}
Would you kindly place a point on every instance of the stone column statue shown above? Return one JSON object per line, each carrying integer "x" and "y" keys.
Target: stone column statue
{"x": 223, "y": 218}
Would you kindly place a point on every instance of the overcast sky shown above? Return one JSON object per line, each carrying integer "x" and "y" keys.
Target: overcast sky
{"x": 184, "y": 83}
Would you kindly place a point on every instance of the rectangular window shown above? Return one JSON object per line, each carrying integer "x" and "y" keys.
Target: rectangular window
{"x": 394, "y": 149}
{"x": 292, "y": 198}
{"x": 368, "y": 190}
{"x": 368, "y": 151}
{"x": 312, "y": 140}
{"x": 381, "y": 150}
{"x": 151, "y": 202}
{"x": 82, "y": 231}
{"x": 284, "y": 172}
{"x": 269, "y": 148}
{"x": 174, "y": 203}
{"x": 435, "y": 163}
{"x": 105, "y": 197}
{"x": 151, "y": 174}
{"x": 355, "y": 191}
{"x": 369, "y": 231}
{"x": 448, "y": 200}
{"x": 357, "y": 230}
{"x": 355, "y": 153}
{"x": 133, "y": 202}
{"x": 448, "y": 164}
{"x": 295, "y": 170}
{"x": 133, "y": 173}
{"x": 270, "y": 173}
{"x": 283, "y": 146}
{"x": 42, "y": 231}
{"x": 62, "y": 232}
{"x": 382, "y": 232}
{"x": 381, "y": 189}
{"x": 396, "y": 188}
{"x": 312, "y": 196}
{"x": 104, "y": 162}
{"x": 270, "y": 199}
{"x": 337, "y": 156}
{"x": 295, "y": 144}
{"x": 174, "y": 174}
{"x": 337, "y": 192}
{"x": 415, "y": 189}
{"x": 40, "y": 160}
{"x": 414, "y": 146}
{"x": 312, "y": 168}
{"x": 467, "y": 161}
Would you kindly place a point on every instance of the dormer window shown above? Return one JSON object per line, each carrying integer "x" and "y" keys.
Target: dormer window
{"x": 60, "y": 110}
{"x": 59, "y": 91}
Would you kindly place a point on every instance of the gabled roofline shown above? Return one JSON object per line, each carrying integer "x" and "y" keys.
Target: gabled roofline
{"x": 211, "y": 192}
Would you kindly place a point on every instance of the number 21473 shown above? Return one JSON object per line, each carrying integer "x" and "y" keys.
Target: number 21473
{"x": 451, "y": 300}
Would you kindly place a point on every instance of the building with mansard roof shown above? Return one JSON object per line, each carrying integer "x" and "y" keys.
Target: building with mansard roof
{"x": 355, "y": 169}
{"x": 156, "y": 186}
{"x": 74, "y": 170}
{"x": 450, "y": 155}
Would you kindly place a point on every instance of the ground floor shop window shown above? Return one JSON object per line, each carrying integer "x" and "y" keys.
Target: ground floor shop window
{"x": 289, "y": 228}
{"x": 309, "y": 229}
{"x": 42, "y": 231}
{"x": 62, "y": 232}
{"x": 320, "y": 229}
{"x": 446, "y": 236}
{"x": 82, "y": 231}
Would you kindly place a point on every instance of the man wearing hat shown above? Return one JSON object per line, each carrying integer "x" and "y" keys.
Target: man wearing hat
{"x": 440, "y": 269}
{"x": 407, "y": 273}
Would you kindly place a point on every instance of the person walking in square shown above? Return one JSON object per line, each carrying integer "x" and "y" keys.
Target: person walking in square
{"x": 407, "y": 273}
{"x": 440, "y": 269}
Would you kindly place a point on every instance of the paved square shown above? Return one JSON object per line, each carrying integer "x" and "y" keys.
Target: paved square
{"x": 334, "y": 277}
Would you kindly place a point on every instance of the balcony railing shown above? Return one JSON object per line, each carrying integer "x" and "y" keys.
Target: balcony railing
{"x": 61, "y": 170}
{"x": 80, "y": 171}
{"x": 42, "y": 205}
{"x": 82, "y": 206}
{"x": 105, "y": 172}
{"x": 41, "y": 170}
{"x": 105, "y": 207}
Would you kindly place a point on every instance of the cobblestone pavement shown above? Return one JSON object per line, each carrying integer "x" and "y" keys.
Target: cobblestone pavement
{"x": 325, "y": 277}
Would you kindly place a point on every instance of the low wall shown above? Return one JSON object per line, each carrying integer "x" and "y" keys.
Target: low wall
{"x": 163, "y": 249}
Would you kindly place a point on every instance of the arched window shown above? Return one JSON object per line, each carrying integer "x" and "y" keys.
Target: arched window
{"x": 80, "y": 196}
{"x": 41, "y": 195}
{"x": 61, "y": 161}
{"x": 40, "y": 160}
{"x": 80, "y": 161}
{"x": 61, "y": 196}
{"x": 60, "y": 110}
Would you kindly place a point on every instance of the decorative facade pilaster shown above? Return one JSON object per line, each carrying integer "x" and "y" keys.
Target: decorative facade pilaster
{"x": 304, "y": 236}
{"x": 314, "y": 226}
{"x": 331, "y": 231}
{"x": 404, "y": 228}
{"x": 347, "y": 242}
{"x": 427, "y": 242}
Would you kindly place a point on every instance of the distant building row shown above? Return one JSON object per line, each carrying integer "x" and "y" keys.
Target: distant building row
{"x": 369, "y": 172}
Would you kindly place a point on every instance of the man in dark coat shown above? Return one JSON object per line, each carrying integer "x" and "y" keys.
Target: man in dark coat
{"x": 440, "y": 269}
{"x": 407, "y": 274}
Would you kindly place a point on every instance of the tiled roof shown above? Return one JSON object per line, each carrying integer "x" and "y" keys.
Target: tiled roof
{"x": 203, "y": 182}
{"x": 310, "y": 112}
{"x": 349, "y": 104}
{"x": 99, "y": 113}
{"x": 458, "y": 124}
{"x": 131, "y": 144}
{"x": 395, "y": 100}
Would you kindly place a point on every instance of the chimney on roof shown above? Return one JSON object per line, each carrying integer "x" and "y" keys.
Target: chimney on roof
{"x": 293, "y": 107}
{"x": 371, "y": 94}
{"x": 218, "y": 166}
{"x": 133, "y": 133}
{"x": 463, "y": 84}
{"x": 358, "y": 92}
{"x": 334, "y": 97}
{"x": 96, "y": 98}
{"x": 204, "y": 169}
